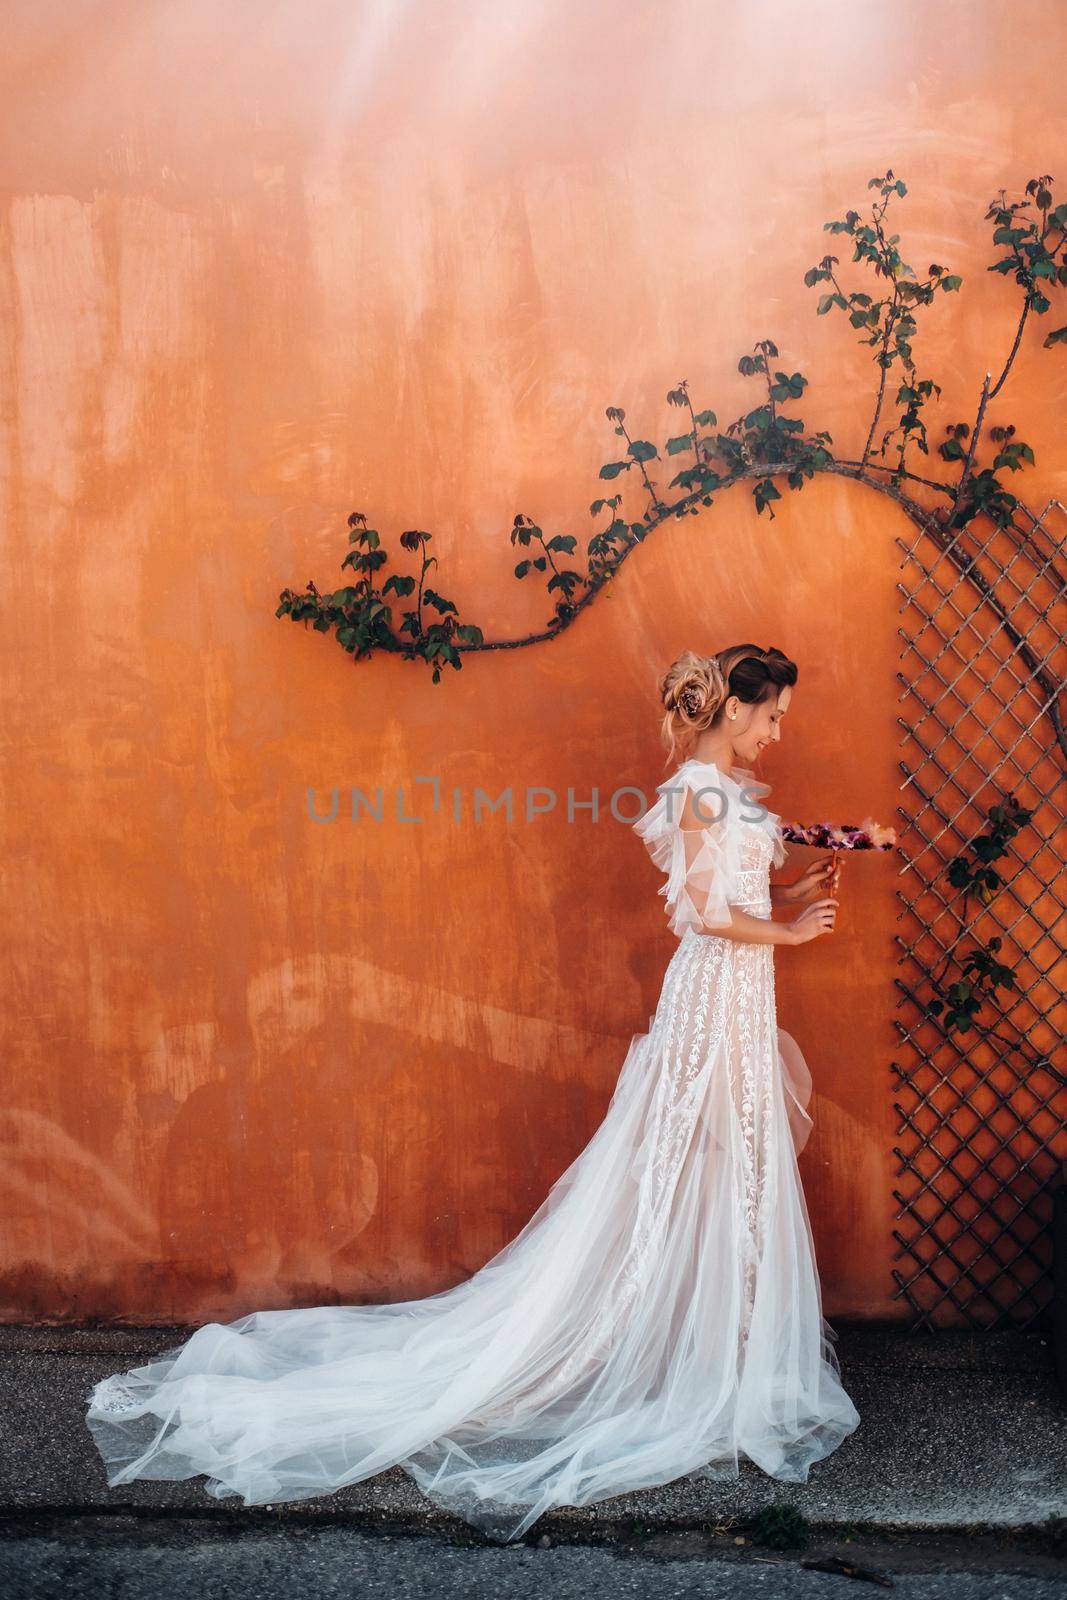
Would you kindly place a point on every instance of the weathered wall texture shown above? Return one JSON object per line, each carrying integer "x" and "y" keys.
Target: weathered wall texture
{"x": 264, "y": 264}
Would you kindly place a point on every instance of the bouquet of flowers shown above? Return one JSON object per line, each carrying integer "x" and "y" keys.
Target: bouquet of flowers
{"x": 838, "y": 836}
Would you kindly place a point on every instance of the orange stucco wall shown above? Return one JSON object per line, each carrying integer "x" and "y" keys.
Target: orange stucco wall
{"x": 267, "y": 264}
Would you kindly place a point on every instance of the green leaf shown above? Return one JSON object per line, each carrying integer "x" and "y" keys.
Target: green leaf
{"x": 684, "y": 441}
{"x": 613, "y": 468}
{"x": 642, "y": 450}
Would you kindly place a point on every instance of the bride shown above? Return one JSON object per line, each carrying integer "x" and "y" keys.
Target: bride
{"x": 659, "y": 1315}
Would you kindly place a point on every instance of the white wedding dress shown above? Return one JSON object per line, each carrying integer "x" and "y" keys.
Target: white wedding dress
{"x": 659, "y": 1315}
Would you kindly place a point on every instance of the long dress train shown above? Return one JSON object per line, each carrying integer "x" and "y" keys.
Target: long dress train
{"x": 659, "y": 1315}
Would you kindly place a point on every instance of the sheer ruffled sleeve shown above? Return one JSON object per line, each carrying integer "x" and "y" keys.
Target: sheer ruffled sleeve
{"x": 701, "y": 863}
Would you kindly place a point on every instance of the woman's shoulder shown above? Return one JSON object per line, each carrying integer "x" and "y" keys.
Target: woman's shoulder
{"x": 734, "y": 802}
{"x": 734, "y": 792}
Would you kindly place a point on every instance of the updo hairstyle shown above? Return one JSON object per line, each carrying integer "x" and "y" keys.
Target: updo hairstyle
{"x": 695, "y": 688}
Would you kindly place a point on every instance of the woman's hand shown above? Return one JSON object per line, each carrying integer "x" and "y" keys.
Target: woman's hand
{"x": 813, "y": 920}
{"x": 812, "y": 881}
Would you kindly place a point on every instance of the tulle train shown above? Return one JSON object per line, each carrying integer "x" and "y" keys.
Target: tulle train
{"x": 659, "y": 1315}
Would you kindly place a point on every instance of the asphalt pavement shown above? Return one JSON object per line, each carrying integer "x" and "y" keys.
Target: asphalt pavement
{"x": 955, "y": 1482}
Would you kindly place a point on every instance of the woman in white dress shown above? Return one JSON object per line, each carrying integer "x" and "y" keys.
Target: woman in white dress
{"x": 659, "y": 1315}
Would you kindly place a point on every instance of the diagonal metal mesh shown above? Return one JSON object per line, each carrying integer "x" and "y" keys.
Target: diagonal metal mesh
{"x": 983, "y": 1125}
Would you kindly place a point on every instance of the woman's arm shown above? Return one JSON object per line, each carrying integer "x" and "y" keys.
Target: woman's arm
{"x": 746, "y": 929}
{"x": 815, "y": 919}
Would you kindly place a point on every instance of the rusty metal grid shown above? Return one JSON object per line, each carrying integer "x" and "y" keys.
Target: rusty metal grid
{"x": 982, "y": 1130}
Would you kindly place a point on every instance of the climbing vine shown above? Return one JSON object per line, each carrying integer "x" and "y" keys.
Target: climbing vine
{"x": 766, "y": 446}
{"x": 963, "y": 1001}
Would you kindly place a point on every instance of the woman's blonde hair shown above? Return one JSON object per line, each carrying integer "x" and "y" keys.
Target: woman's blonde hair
{"x": 695, "y": 688}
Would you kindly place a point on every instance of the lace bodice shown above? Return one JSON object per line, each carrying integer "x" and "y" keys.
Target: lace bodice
{"x": 752, "y": 881}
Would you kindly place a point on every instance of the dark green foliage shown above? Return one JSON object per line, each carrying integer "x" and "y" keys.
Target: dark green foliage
{"x": 767, "y": 446}
{"x": 779, "y": 1528}
{"x": 971, "y": 999}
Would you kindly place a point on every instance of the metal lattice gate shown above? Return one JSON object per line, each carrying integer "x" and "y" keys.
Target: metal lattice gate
{"x": 983, "y": 1117}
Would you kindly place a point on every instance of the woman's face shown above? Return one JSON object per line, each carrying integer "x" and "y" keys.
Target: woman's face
{"x": 759, "y": 726}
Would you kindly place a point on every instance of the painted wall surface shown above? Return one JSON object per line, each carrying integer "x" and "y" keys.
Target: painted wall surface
{"x": 265, "y": 264}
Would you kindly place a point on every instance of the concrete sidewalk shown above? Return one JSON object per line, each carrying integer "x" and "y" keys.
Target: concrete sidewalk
{"x": 956, "y": 1431}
